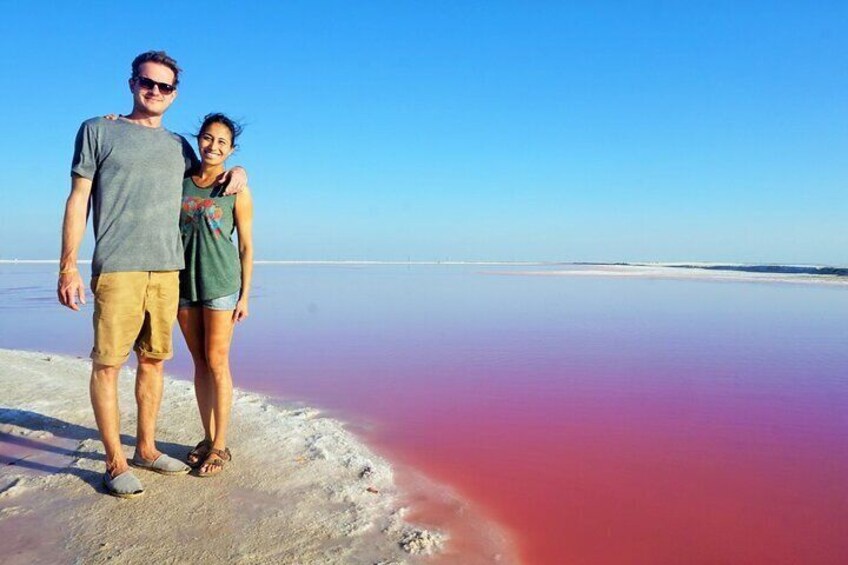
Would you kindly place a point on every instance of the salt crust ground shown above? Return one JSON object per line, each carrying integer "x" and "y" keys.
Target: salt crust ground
{"x": 300, "y": 490}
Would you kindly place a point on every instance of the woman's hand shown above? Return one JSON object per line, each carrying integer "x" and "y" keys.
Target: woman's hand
{"x": 240, "y": 313}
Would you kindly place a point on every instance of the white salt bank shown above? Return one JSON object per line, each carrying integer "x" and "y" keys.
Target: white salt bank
{"x": 301, "y": 488}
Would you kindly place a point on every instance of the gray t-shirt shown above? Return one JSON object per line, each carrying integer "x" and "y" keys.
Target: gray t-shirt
{"x": 137, "y": 175}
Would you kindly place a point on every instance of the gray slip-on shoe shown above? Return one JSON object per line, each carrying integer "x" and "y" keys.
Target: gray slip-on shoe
{"x": 164, "y": 465}
{"x": 125, "y": 485}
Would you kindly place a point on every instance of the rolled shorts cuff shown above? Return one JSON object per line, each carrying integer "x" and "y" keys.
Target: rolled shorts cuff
{"x": 108, "y": 360}
{"x": 153, "y": 355}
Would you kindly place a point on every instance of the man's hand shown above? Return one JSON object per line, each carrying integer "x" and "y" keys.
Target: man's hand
{"x": 71, "y": 289}
{"x": 235, "y": 180}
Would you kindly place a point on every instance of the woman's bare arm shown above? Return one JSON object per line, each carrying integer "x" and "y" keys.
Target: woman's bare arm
{"x": 244, "y": 227}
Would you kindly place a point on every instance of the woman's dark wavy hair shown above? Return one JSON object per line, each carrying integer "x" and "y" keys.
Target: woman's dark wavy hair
{"x": 219, "y": 118}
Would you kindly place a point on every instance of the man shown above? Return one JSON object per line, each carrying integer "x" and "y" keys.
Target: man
{"x": 130, "y": 171}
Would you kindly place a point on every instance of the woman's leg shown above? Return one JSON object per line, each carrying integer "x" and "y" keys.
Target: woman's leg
{"x": 191, "y": 324}
{"x": 218, "y": 332}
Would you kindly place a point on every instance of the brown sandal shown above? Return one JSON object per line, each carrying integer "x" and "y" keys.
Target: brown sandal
{"x": 197, "y": 455}
{"x": 215, "y": 461}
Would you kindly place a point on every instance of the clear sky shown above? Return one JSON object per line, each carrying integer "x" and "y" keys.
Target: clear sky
{"x": 593, "y": 131}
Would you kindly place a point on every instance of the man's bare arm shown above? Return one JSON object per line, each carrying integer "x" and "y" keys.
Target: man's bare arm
{"x": 235, "y": 179}
{"x": 70, "y": 287}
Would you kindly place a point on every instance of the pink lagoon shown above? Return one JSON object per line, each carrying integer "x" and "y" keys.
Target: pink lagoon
{"x": 590, "y": 419}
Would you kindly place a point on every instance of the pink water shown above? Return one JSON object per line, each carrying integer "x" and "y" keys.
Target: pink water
{"x": 596, "y": 420}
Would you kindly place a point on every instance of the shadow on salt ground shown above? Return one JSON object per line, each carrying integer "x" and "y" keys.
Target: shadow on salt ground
{"x": 48, "y": 445}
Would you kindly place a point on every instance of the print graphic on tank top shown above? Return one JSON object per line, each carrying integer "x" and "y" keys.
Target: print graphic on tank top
{"x": 197, "y": 210}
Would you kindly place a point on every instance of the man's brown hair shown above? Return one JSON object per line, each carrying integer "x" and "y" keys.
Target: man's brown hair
{"x": 156, "y": 57}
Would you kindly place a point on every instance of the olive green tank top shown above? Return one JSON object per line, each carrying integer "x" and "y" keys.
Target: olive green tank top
{"x": 212, "y": 266}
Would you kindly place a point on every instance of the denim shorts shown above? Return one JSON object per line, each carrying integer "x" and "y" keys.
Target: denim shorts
{"x": 224, "y": 303}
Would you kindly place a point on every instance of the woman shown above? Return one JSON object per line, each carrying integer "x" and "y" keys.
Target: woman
{"x": 214, "y": 286}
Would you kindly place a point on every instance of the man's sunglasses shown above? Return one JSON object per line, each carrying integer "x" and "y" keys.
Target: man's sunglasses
{"x": 148, "y": 84}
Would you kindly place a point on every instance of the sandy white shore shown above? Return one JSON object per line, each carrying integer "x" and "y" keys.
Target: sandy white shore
{"x": 301, "y": 489}
{"x": 676, "y": 272}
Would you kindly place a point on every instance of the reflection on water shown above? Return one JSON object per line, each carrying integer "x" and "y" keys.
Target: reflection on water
{"x": 602, "y": 420}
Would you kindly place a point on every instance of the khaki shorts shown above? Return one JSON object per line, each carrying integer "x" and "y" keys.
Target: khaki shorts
{"x": 134, "y": 310}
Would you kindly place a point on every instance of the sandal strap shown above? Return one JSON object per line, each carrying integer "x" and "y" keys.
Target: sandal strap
{"x": 200, "y": 450}
{"x": 223, "y": 455}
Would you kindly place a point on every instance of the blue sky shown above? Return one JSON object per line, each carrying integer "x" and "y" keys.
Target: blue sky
{"x": 617, "y": 131}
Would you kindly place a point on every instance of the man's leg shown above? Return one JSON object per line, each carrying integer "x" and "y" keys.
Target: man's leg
{"x": 118, "y": 317}
{"x": 153, "y": 346}
{"x": 148, "y": 396}
{"x": 104, "y": 400}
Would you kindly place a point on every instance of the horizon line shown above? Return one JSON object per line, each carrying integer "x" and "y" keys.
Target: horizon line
{"x": 489, "y": 262}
